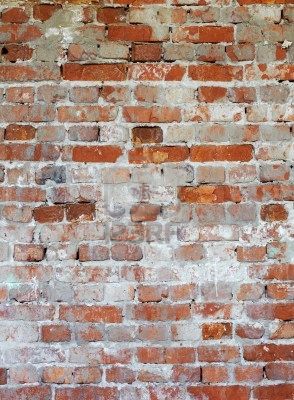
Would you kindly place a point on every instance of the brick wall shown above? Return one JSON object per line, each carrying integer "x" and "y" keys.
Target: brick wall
{"x": 146, "y": 189}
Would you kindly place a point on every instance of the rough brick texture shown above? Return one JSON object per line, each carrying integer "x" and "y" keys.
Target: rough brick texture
{"x": 146, "y": 200}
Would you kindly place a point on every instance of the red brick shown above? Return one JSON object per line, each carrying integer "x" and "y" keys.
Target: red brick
{"x": 87, "y": 113}
{"x": 218, "y": 353}
{"x": 80, "y": 313}
{"x": 248, "y": 373}
{"x": 158, "y": 154}
{"x": 60, "y": 375}
{"x": 48, "y": 214}
{"x": 15, "y": 15}
{"x": 179, "y": 355}
{"x": 156, "y": 72}
{"x": 126, "y": 252}
{"x": 144, "y": 212}
{"x": 279, "y": 291}
{"x": 273, "y": 212}
{"x": 211, "y": 94}
{"x": 87, "y": 375}
{"x": 39, "y": 392}
{"x": 23, "y": 73}
{"x": 215, "y": 331}
{"x": 241, "y": 52}
{"x": 120, "y": 375}
{"x": 100, "y": 154}
{"x": 242, "y": 95}
{"x": 250, "y": 291}
{"x": 271, "y": 311}
{"x": 43, "y": 12}
{"x": 209, "y": 194}
{"x": 86, "y": 393}
{"x": 109, "y": 15}
{"x": 190, "y": 252}
{"x": 24, "y": 194}
{"x": 269, "y": 2}
{"x": 28, "y": 252}
{"x": 80, "y": 212}
{"x": 280, "y": 272}
{"x": 55, "y": 333}
{"x": 13, "y": 53}
{"x": 182, "y": 374}
{"x": 146, "y": 134}
{"x": 219, "y": 392}
{"x": 268, "y": 352}
{"x": 27, "y": 152}
{"x": 223, "y": 73}
{"x": 204, "y": 34}
{"x": 19, "y": 132}
{"x": 93, "y": 253}
{"x": 146, "y": 52}
{"x": 89, "y": 333}
{"x": 214, "y": 374}
{"x": 276, "y": 392}
{"x": 221, "y": 153}
{"x": 161, "y": 312}
{"x": 152, "y": 293}
{"x": 20, "y": 95}
{"x": 250, "y": 254}
{"x": 17, "y": 33}
{"x": 94, "y": 72}
{"x": 3, "y": 376}
{"x": 129, "y": 33}
{"x": 279, "y": 371}
{"x": 151, "y": 355}
{"x": 151, "y": 114}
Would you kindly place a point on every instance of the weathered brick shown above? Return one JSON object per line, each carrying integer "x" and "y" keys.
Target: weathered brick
{"x": 209, "y": 194}
{"x": 45, "y": 214}
{"x": 80, "y": 212}
{"x": 273, "y": 212}
{"x": 216, "y": 331}
{"x": 15, "y": 15}
{"x": 93, "y": 253}
{"x": 214, "y": 73}
{"x": 146, "y": 197}
{"x": 142, "y": 135}
{"x": 109, "y": 15}
{"x": 55, "y": 333}
{"x": 144, "y": 212}
{"x": 52, "y": 173}
{"x": 202, "y": 34}
{"x": 45, "y": 11}
{"x": 96, "y": 153}
{"x": 214, "y": 374}
{"x": 227, "y": 392}
{"x": 95, "y": 72}
{"x": 128, "y": 252}
{"x": 28, "y": 252}
{"x": 19, "y": 132}
{"x": 27, "y": 73}
{"x": 146, "y": 52}
{"x": 221, "y": 153}
{"x": 158, "y": 155}
{"x": 80, "y": 313}
{"x": 20, "y": 95}
{"x": 87, "y": 113}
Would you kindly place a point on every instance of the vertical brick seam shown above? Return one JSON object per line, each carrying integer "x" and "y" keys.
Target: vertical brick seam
{"x": 146, "y": 200}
